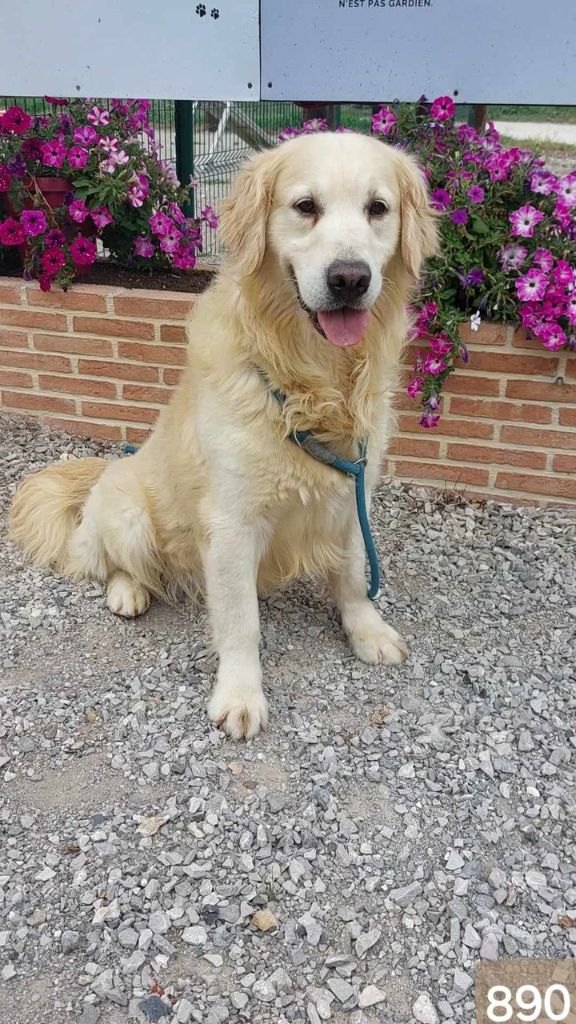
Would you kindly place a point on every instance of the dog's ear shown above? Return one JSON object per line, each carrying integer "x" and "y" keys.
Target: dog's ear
{"x": 244, "y": 214}
{"x": 418, "y": 231}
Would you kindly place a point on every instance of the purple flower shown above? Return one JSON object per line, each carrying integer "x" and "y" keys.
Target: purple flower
{"x": 101, "y": 217}
{"x": 524, "y": 221}
{"x": 34, "y": 222}
{"x": 429, "y": 420}
{"x": 443, "y": 108}
{"x": 78, "y": 211}
{"x": 531, "y": 287}
{"x": 440, "y": 199}
{"x": 383, "y": 122}
{"x": 85, "y": 136}
{"x": 54, "y": 238}
{"x": 53, "y": 153}
{"x": 459, "y": 216}
{"x": 476, "y": 194}
{"x": 209, "y": 216}
{"x": 77, "y": 157}
{"x": 144, "y": 247}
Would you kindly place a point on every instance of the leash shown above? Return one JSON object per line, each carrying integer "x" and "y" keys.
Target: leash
{"x": 356, "y": 470}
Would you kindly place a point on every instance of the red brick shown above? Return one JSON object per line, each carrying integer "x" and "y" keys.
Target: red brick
{"x": 87, "y": 428}
{"x": 77, "y": 298}
{"x": 113, "y": 328}
{"x": 14, "y": 339}
{"x": 10, "y": 294}
{"x": 498, "y": 456}
{"x": 118, "y": 370}
{"x": 520, "y": 340}
{"x": 551, "y": 485}
{"x": 418, "y": 447}
{"x": 500, "y": 410}
{"x": 540, "y": 391}
{"x": 506, "y": 363}
{"x": 78, "y": 386}
{"x": 539, "y": 438}
{"x": 140, "y": 393}
{"x": 105, "y": 411}
{"x": 136, "y": 436}
{"x": 438, "y": 471}
{"x": 30, "y": 318}
{"x": 72, "y": 343}
{"x": 37, "y": 403}
{"x": 461, "y": 385}
{"x": 174, "y": 333}
{"x": 152, "y": 353}
{"x": 35, "y": 361}
{"x": 152, "y": 306}
{"x": 567, "y": 417}
{"x": 489, "y": 334}
{"x": 571, "y": 368}
{"x": 564, "y": 463}
{"x": 9, "y": 379}
{"x": 448, "y": 426}
{"x": 172, "y": 376}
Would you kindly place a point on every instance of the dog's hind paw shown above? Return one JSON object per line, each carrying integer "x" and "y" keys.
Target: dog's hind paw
{"x": 378, "y": 644}
{"x": 126, "y": 597}
{"x": 240, "y": 711}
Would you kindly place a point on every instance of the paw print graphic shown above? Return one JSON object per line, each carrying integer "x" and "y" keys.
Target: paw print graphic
{"x": 215, "y": 13}
{"x": 201, "y": 10}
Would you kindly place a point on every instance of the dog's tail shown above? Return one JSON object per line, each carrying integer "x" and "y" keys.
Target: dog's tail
{"x": 47, "y": 507}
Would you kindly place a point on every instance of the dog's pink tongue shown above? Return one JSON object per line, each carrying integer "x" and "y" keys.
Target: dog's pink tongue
{"x": 344, "y": 327}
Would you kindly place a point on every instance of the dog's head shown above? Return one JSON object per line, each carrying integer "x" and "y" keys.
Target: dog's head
{"x": 331, "y": 211}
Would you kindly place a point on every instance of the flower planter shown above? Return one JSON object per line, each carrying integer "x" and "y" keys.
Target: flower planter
{"x": 52, "y": 190}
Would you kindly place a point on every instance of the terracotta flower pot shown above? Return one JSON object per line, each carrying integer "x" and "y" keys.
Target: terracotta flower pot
{"x": 52, "y": 189}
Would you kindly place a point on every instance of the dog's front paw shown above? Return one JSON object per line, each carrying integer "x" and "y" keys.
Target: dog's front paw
{"x": 377, "y": 643}
{"x": 126, "y": 597}
{"x": 239, "y": 710}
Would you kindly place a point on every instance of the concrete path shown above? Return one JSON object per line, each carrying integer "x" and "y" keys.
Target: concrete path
{"x": 543, "y": 131}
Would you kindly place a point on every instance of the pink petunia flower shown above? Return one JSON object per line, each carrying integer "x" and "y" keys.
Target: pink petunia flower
{"x": 108, "y": 166}
{"x": 160, "y": 223}
{"x": 136, "y": 195}
{"x": 34, "y": 222}
{"x": 83, "y": 251}
{"x": 54, "y": 238}
{"x": 78, "y": 157}
{"x": 288, "y": 133}
{"x": 383, "y": 122}
{"x": 476, "y": 194}
{"x": 78, "y": 211}
{"x": 571, "y": 310}
{"x": 524, "y": 221}
{"x": 144, "y": 247}
{"x": 101, "y": 217}
{"x": 52, "y": 260}
{"x": 433, "y": 365}
{"x": 109, "y": 144}
{"x": 443, "y": 108}
{"x": 11, "y": 232}
{"x": 531, "y": 287}
{"x": 544, "y": 259}
{"x": 415, "y": 387}
{"x": 566, "y": 190}
{"x": 498, "y": 168}
{"x": 429, "y": 420}
{"x": 99, "y": 116}
{"x": 85, "y": 136}
{"x": 543, "y": 182}
{"x": 563, "y": 214}
{"x": 32, "y": 149}
{"x": 551, "y": 335}
{"x": 209, "y": 216}
{"x": 563, "y": 273}
{"x": 315, "y": 124}
{"x": 53, "y": 153}
{"x": 184, "y": 258}
{"x": 511, "y": 257}
{"x": 45, "y": 281}
{"x": 440, "y": 344}
{"x": 170, "y": 241}
{"x": 16, "y": 120}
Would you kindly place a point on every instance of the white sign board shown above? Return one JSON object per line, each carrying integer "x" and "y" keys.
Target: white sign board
{"x": 478, "y": 51}
{"x": 173, "y": 49}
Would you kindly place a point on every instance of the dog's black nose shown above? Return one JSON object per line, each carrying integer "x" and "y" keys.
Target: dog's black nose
{"x": 348, "y": 282}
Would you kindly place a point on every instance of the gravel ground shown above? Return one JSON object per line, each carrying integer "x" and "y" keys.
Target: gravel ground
{"x": 355, "y": 863}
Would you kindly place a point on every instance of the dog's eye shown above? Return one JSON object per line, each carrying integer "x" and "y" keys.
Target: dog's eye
{"x": 377, "y": 209}
{"x": 306, "y": 206}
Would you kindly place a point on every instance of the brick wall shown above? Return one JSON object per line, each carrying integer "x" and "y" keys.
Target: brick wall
{"x": 101, "y": 361}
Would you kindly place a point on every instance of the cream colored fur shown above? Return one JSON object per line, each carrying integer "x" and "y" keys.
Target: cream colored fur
{"x": 219, "y": 498}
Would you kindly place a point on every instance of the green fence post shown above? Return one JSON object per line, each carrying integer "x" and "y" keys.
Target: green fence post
{"x": 184, "y": 126}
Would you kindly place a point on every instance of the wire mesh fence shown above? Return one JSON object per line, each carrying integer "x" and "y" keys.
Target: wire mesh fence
{"x": 222, "y": 135}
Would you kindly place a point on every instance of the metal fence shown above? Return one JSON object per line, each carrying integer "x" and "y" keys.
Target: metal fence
{"x": 218, "y": 137}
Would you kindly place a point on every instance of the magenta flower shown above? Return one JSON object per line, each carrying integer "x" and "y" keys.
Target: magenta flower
{"x": 315, "y": 124}
{"x": 511, "y": 257}
{"x": 563, "y": 273}
{"x": 459, "y": 216}
{"x": 571, "y": 310}
{"x": 551, "y": 335}
{"x": 524, "y": 221}
{"x": 563, "y": 214}
{"x": 443, "y": 108}
{"x": 16, "y": 120}
{"x": 160, "y": 224}
{"x": 288, "y": 133}
{"x": 11, "y": 232}
{"x": 52, "y": 260}
{"x": 543, "y": 182}
{"x": 176, "y": 214}
{"x": 83, "y": 251}
{"x": 415, "y": 387}
{"x": 99, "y": 116}
{"x": 429, "y": 420}
{"x": 101, "y": 217}
{"x": 144, "y": 247}
{"x": 531, "y": 287}
{"x": 440, "y": 344}
{"x": 170, "y": 241}
{"x": 136, "y": 195}
{"x": 45, "y": 281}
{"x": 544, "y": 259}
{"x": 209, "y": 216}
{"x": 498, "y": 168}
{"x": 109, "y": 144}
{"x": 566, "y": 190}
{"x": 433, "y": 365}
{"x": 384, "y": 121}
{"x": 77, "y": 157}
{"x": 78, "y": 211}
{"x": 108, "y": 166}
{"x": 5, "y": 179}
{"x": 440, "y": 199}
{"x": 476, "y": 194}
{"x": 32, "y": 149}
{"x": 85, "y": 136}
{"x": 34, "y": 222}
{"x": 54, "y": 238}
{"x": 184, "y": 258}
{"x": 53, "y": 153}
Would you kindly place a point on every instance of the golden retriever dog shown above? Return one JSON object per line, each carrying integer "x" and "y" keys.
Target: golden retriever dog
{"x": 325, "y": 236}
